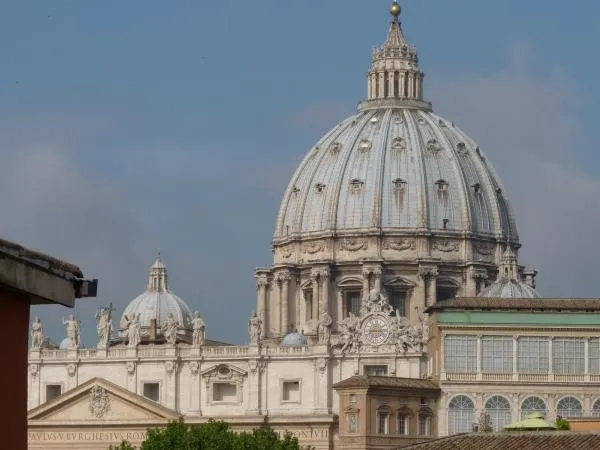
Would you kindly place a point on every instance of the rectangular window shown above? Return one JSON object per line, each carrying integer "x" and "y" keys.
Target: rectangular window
{"x": 308, "y": 302}
{"x": 398, "y": 302}
{"x": 423, "y": 425}
{"x": 375, "y": 371}
{"x": 152, "y": 391}
{"x": 353, "y": 303}
{"x": 497, "y": 354}
{"x": 460, "y": 354}
{"x": 53, "y": 391}
{"x": 594, "y": 355}
{"x": 532, "y": 354}
{"x": 352, "y": 423}
{"x": 403, "y": 424}
{"x": 382, "y": 423}
{"x": 225, "y": 392}
{"x": 291, "y": 391}
{"x": 568, "y": 355}
{"x": 352, "y": 398}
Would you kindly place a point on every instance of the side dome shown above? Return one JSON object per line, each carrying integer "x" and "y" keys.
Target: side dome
{"x": 157, "y": 302}
{"x": 294, "y": 340}
{"x": 508, "y": 284}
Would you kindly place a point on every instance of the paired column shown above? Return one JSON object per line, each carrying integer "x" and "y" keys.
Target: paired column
{"x": 261, "y": 301}
{"x": 429, "y": 276}
{"x": 390, "y": 84}
{"x": 315, "y": 297}
{"x": 284, "y": 283}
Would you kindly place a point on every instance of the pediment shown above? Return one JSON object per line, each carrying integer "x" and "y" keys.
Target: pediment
{"x": 99, "y": 400}
{"x": 399, "y": 282}
{"x": 224, "y": 372}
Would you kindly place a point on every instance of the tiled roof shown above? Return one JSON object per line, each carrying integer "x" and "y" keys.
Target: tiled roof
{"x": 562, "y": 304}
{"x": 38, "y": 260}
{"x": 546, "y": 440}
{"x": 363, "y": 381}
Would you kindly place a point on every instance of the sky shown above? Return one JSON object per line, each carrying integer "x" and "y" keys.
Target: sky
{"x": 129, "y": 127}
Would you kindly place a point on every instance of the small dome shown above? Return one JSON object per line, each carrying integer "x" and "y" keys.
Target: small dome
{"x": 509, "y": 288}
{"x": 294, "y": 340}
{"x": 157, "y": 302}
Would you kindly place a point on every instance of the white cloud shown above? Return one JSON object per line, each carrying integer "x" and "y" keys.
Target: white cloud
{"x": 526, "y": 120}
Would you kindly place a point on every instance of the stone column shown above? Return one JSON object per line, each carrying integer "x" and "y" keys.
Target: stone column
{"x": 315, "y": 298}
{"x": 325, "y": 288}
{"x": 401, "y": 84}
{"x": 381, "y": 85}
{"x": 411, "y": 84}
{"x": 471, "y": 285}
{"x": 340, "y": 309}
{"x": 478, "y": 364}
{"x": 366, "y": 272}
{"x": 515, "y": 375}
{"x": 432, "y": 288}
{"x": 284, "y": 279}
{"x": 369, "y": 86}
{"x": 586, "y": 359}
{"x": 261, "y": 301}
{"x": 377, "y": 279}
{"x": 550, "y": 365}
{"x": 390, "y": 75}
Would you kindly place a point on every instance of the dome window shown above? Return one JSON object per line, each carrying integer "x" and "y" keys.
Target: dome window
{"x": 319, "y": 187}
{"x": 398, "y": 144}
{"x": 374, "y": 119}
{"x": 442, "y": 185}
{"x": 442, "y": 123}
{"x": 476, "y": 188}
{"x": 335, "y": 147}
{"x": 398, "y": 118}
{"x": 499, "y": 191}
{"x": 399, "y": 184}
{"x": 462, "y": 148}
{"x": 364, "y": 145}
{"x": 433, "y": 145}
{"x": 295, "y": 190}
{"x": 356, "y": 185}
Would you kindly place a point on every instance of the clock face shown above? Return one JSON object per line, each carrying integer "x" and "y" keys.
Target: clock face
{"x": 376, "y": 330}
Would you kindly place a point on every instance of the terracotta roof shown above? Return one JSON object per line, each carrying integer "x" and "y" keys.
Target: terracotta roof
{"x": 363, "y": 381}
{"x": 38, "y": 260}
{"x": 531, "y": 440}
{"x": 556, "y": 304}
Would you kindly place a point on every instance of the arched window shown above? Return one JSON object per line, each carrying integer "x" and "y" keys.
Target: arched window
{"x": 383, "y": 421}
{"x": 533, "y": 404}
{"x": 498, "y": 409}
{"x": 569, "y": 407}
{"x": 596, "y": 409}
{"x": 403, "y": 422}
{"x": 461, "y": 415}
{"x": 424, "y": 424}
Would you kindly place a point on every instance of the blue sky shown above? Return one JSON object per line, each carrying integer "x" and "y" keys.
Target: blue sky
{"x": 131, "y": 126}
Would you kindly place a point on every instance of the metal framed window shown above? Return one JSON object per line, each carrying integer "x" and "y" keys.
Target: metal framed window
{"x": 569, "y": 407}
{"x": 383, "y": 422}
{"x": 403, "y": 421}
{"x": 496, "y": 354}
{"x": 460, "y": 353}
{"x": 533, "y": 404}
{"x": 461, "y": 415}
{"x": 596, "y": 409}
{"x": 499, "y": 411}
{"x": 424, "y": 422}
{"x": 353, "y": 302}
{"x": 594, "y": 356}
{"x": 398, "y": 301}
{"x": 568, "y": 355}
{"x": 532, "y": 354}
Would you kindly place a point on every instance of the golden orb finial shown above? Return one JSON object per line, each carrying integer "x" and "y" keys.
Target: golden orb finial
{"x": 395, "y": 9}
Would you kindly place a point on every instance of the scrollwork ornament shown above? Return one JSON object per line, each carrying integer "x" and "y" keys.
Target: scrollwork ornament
{"x": 131, "y": 367}
{"x": 257, "y": 366}
{"x": 321, "y": 364}
{"x": 34, "y": 370}
{"x": 313, "y": 247}
{"x": 445, "y": 245}
{"x": 171, "y": 367}
{"x": 194, "y": 367}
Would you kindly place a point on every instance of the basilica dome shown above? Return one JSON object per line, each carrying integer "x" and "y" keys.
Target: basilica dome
{"x": 395, "y": 166}
{"x": 157, "y": 301}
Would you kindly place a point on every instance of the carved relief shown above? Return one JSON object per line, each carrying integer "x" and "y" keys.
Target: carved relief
{"x": 257, "y": 366}
{"x": 99, "y": 402}
{"x": 34, "y": 369}
{"x": 131, "y": 367}
{"x": 286, "y": 253}
{"x": 461, "y": 148}
{"x": 319, "y": 188}
{"x": 433, "y": 145}
{"x": 171, "y": 367}
{"x": 284, "y": 276}
{"x": 445, "y": 245}
{"x": 194, "y": 367}
{"x": 399, "y": 244}
{"x": 353, "y": 245}
{"x": 356, "y": 186}
{"x": 71, "y": 370}
{"x": 484, "y": 248}
{"x": 313, "y": 247}
{"x": 320, "y": 364}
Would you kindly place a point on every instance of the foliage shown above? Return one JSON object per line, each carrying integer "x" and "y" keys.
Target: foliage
{"x": 212, "y": 436}
{"x": 123, "y": 446}
{"x": 562, "y": 424}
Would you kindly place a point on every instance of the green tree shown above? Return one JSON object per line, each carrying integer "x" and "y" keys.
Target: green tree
{"x": 562, "y": 424}
{"x": 212, "y": 436}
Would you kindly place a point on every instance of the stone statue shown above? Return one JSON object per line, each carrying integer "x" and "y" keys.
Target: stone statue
{"x": 170, "y": 328}
{"x": 37, "y": 333}
{"x": 350, "y": 333}
{"x": 424, "y": 327}
{"x": 73, "y": 332}
{"x": 104, "y": 326}
{"x": 133, "y": 331}
{"x": 406, "y": 336}
{"x": 199, "y": 336}
{"x": 254, "y": 328}
{"x": 324, "y": 329}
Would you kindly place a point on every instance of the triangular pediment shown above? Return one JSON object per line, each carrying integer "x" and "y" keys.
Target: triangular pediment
{"x": 100, "y": 400}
